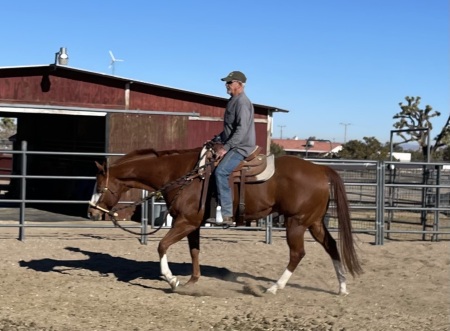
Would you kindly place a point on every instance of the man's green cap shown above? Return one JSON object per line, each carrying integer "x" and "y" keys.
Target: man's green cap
{"x": 235, "y": 75}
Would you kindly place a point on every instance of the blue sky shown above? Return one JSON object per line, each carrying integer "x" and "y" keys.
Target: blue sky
{"x": 326, "y": 61}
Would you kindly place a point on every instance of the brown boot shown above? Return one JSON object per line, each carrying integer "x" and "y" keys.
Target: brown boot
{"x": 228, "y": 221}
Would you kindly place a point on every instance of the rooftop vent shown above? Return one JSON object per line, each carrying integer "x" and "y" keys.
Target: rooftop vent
{"x": 61, "y": 57}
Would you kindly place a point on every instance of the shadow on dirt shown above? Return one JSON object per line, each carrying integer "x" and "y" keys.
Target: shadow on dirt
{"x": 126, "y": 270}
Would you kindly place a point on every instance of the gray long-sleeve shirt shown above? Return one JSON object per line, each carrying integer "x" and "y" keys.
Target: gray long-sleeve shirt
{"x": 239, "y": 125}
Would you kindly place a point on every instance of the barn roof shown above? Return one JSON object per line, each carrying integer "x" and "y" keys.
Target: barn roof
{"x": 23, "y": 70}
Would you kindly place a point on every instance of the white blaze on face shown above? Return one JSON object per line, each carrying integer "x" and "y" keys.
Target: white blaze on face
{"x": 95, "y": 196}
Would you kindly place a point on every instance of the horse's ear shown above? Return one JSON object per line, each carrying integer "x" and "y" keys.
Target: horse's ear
{"x": 101, "y": 167}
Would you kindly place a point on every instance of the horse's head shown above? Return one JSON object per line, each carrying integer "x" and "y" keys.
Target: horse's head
{"x": 107, "y": 192}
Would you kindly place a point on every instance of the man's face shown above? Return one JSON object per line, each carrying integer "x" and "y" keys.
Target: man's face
{"x": 233, "y": 87}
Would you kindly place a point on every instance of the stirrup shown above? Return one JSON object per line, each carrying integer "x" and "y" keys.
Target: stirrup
{"x": 226, "y": 223}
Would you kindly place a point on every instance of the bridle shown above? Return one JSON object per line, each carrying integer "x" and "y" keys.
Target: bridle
{"x": 96, "y": 206}
{"x": 200, "y": 170}
{"x": 102, "y": 192}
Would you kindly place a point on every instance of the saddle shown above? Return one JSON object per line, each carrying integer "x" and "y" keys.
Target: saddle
{"x": 254, "y": 168}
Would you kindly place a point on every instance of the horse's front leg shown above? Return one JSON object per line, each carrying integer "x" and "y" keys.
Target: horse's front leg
{"x": 180, "y": 230}
{"x": 194, "y": 249}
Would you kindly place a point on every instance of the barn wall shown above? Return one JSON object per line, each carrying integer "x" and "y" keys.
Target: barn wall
{"x": 62, "y": 91}
{"x": 115, "y": 133}
{"x": 201, "y": 131}
{"x": 5, "y": 165}
{"x": 76, "y": 89}
{"x": 134, "y": 131}
{"x": 155, "y": 98}
{"x": 65, "y": 87}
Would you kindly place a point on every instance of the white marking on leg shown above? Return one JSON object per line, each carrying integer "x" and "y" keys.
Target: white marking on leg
{"x": 340, "y": 276}
{"x": 281, "y": 283}
{"x": 167, "y": 274}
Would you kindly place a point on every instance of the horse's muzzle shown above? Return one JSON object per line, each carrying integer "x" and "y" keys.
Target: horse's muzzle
{"x": 95, "y": 212}
{"x": 94, "y": 216}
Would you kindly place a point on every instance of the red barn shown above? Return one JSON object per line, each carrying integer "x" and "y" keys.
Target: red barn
{"x": 60, "y": 108}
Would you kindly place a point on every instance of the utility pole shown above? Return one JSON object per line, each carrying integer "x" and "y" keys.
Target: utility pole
{"x": 345, "y": 130}
{"x": 281, "y": 130}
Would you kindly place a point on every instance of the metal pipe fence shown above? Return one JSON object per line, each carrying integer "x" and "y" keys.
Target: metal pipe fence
{"x": 387, "y": 199}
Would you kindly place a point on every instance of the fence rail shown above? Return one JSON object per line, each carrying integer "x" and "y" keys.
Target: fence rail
{"x": 392, "y": 200}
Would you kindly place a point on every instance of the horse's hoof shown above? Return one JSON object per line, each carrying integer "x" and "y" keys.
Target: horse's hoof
{"x": 191, "y": 282}
{"x": 343, "y": 289}
{"x": 174, "y": 282}
{"x": 272, "y": 289}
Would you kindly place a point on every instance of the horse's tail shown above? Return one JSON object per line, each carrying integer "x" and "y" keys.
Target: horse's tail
{"x": 347, "y": 248}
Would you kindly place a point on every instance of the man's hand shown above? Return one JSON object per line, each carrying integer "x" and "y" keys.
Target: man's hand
{"x": 221, "y": 152}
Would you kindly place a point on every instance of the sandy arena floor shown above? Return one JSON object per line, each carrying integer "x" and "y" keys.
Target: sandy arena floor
{"x": 104, "y": 279}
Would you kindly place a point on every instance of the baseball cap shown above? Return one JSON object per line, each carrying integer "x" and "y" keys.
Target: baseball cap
{"x": 235, "y": 75}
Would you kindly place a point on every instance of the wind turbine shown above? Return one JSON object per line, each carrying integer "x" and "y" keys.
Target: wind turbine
{"x": 113, "y": 62}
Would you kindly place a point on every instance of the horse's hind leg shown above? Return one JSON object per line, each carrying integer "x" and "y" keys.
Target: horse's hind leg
{"x": 295, "y": 239}
{"x": 323, "y": 236}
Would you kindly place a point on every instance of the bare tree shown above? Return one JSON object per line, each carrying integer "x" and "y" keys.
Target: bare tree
{"x": 411, "y": 117}
{"x": 443, "y": 138}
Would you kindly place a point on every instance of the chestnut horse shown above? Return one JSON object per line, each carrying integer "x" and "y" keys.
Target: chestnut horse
{"x": 299, "y": 190}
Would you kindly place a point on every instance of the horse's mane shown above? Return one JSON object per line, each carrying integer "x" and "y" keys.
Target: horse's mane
{"x": 150, "y": 151}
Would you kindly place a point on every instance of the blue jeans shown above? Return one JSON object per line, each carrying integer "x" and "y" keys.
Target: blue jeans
{"x": 223, "y": 171}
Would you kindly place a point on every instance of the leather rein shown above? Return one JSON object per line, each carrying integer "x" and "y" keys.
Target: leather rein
{"x": 203, "y": 171}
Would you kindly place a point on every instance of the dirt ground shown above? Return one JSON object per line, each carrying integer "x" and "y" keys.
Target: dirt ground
{"x": 104, "y": 279}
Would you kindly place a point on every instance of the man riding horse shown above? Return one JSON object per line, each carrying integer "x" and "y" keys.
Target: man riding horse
{"x": 299, "y": 190}
{"x": 236, "y": 141}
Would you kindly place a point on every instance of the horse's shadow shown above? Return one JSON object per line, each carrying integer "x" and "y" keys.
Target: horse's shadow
{"x": 126, "y": 270}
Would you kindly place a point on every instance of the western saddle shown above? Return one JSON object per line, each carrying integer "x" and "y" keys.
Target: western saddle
{"x": 254, "y": 168}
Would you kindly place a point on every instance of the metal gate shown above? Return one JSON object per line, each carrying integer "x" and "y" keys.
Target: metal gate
{"x": 390, "y": 200}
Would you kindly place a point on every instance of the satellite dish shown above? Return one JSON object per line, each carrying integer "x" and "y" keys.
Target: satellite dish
{"x": 112, "y": 65}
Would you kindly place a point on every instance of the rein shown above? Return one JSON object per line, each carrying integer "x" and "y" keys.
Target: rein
{"x": 181, "y": 182}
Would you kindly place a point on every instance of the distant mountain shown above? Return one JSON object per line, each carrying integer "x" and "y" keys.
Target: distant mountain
{"x": 410, "y": 146}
